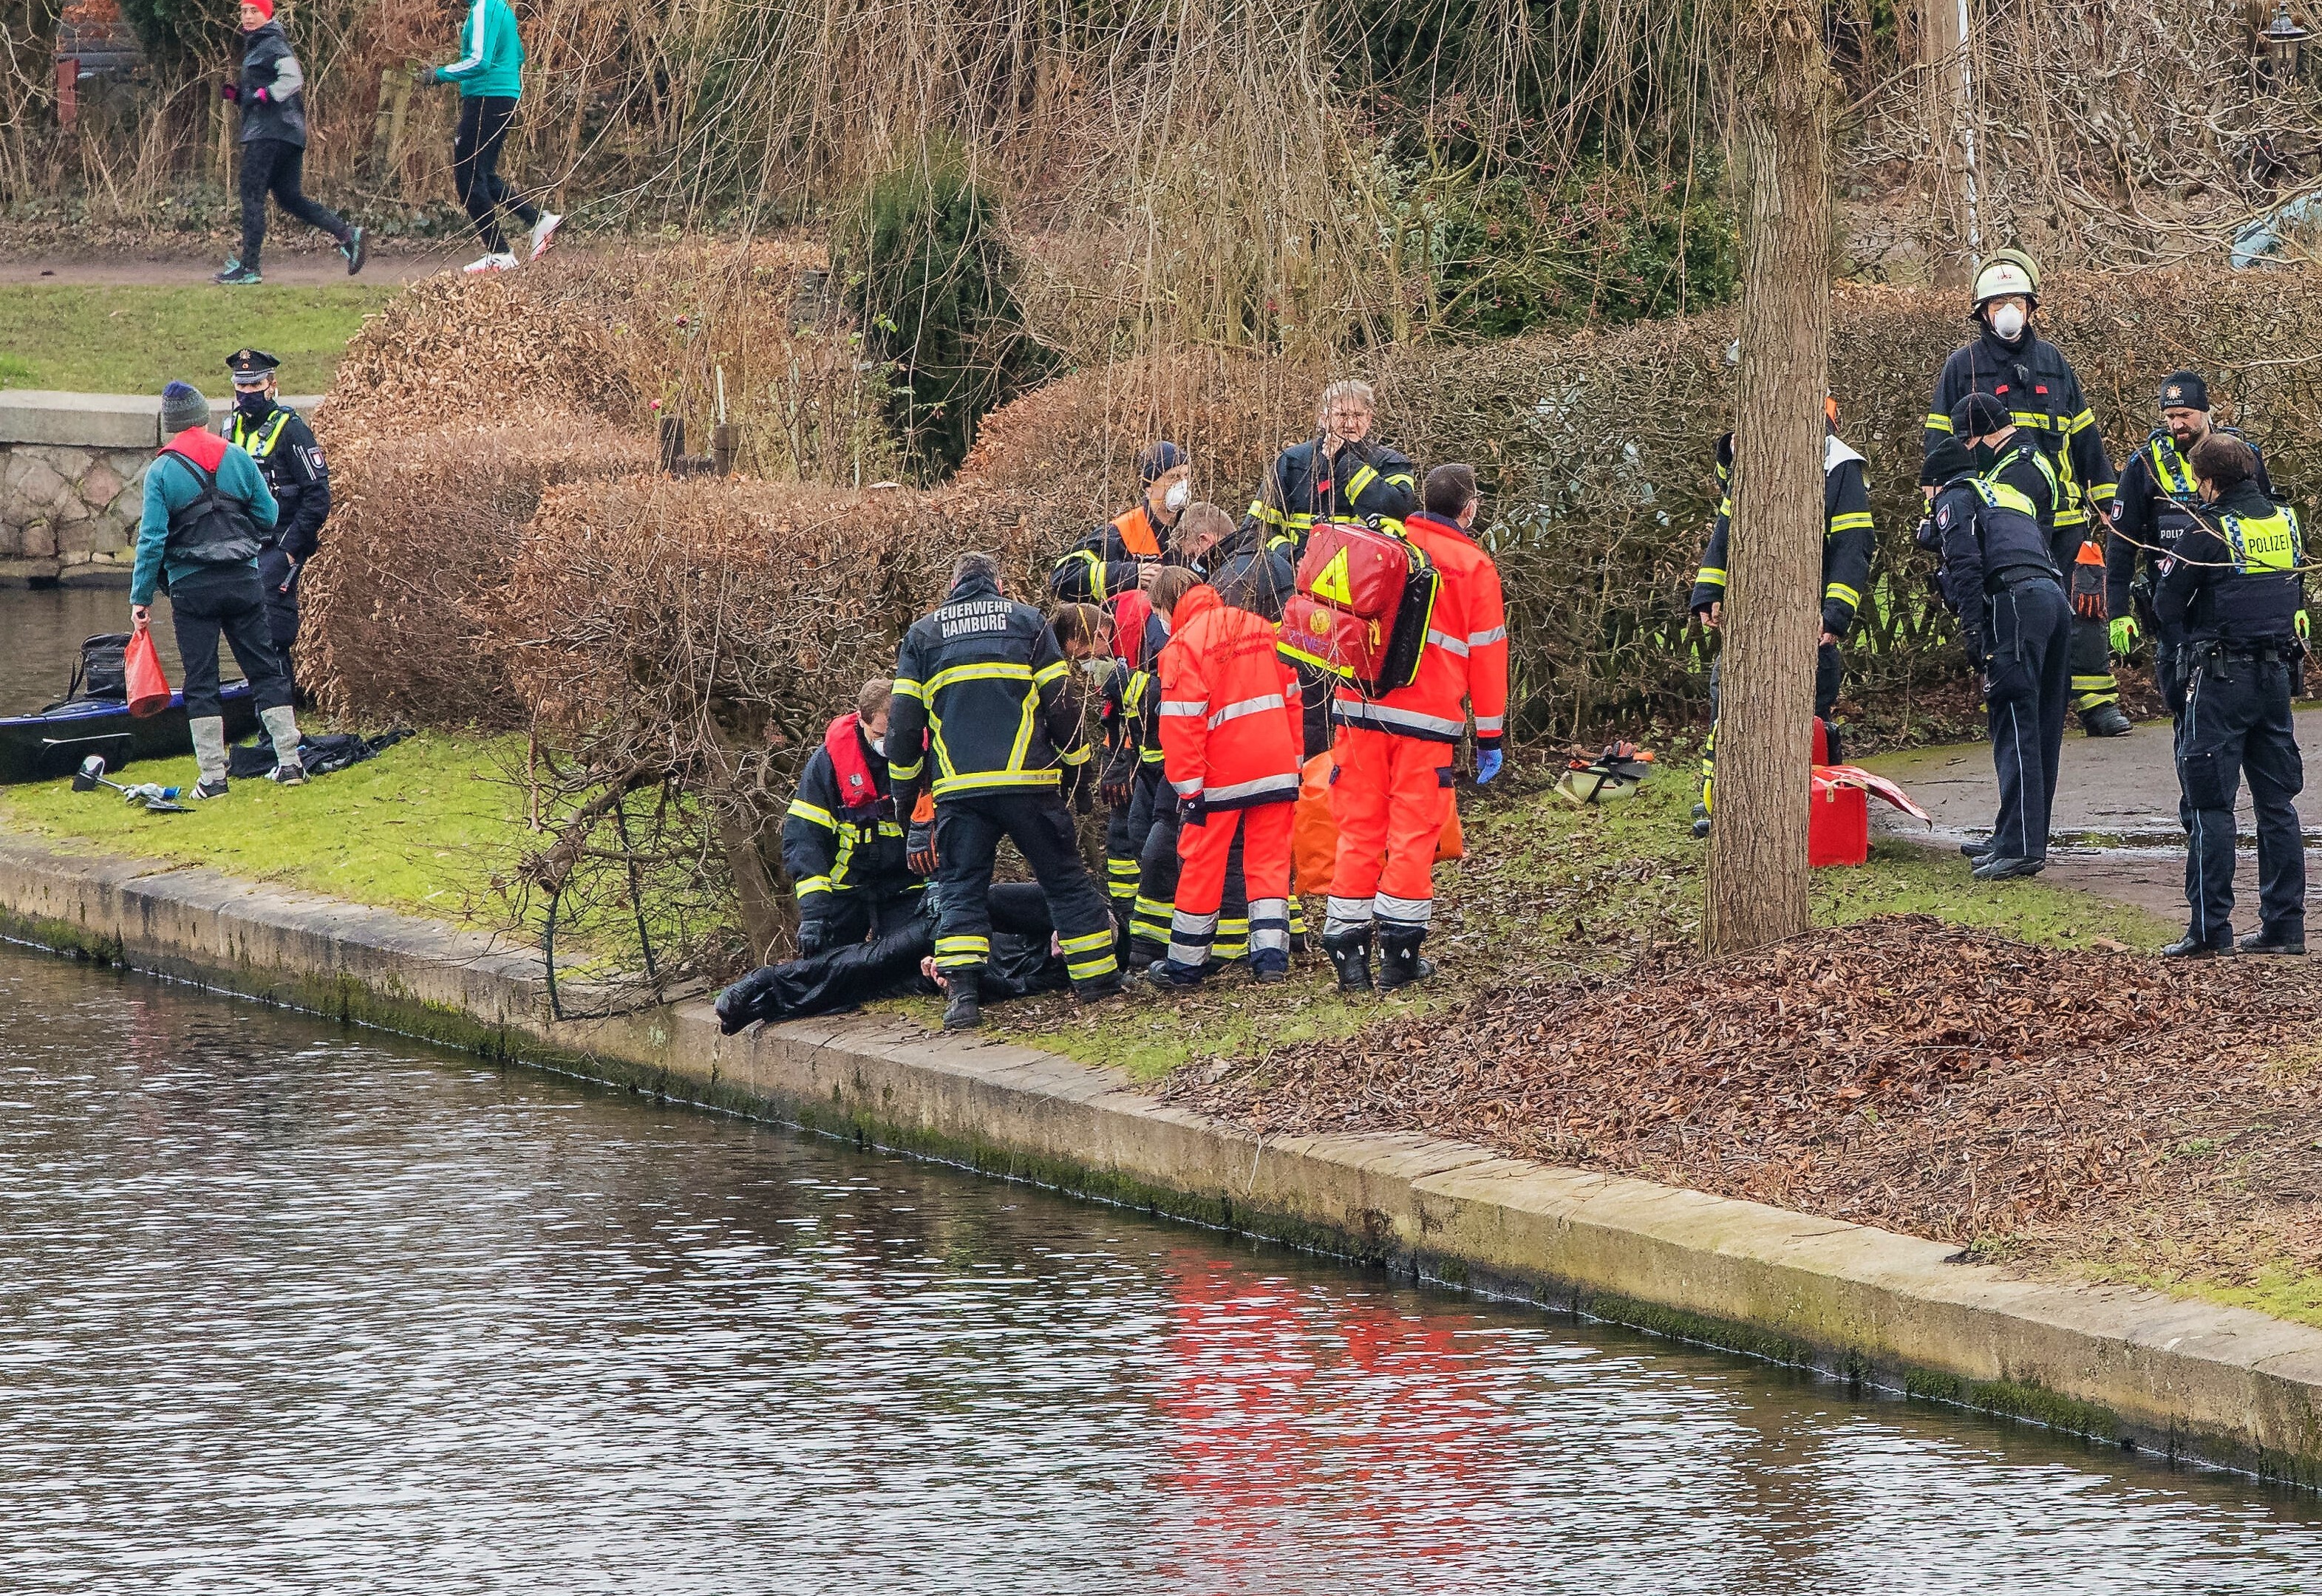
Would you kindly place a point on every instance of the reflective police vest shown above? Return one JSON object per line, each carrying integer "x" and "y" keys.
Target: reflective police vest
{"x": 2258, "y": 600}
{"x": 2175, "y": 482}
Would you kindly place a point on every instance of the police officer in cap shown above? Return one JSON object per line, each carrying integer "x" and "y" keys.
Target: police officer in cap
{"x": 1999, "y": 577}
{"x": 2157, "y": 501}
{"x": 2232, "y": 589}
{"x": 2030, "y": 378}
{"x": 280, "y": 440}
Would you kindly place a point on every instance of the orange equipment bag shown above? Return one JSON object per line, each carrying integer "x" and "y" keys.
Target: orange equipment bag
{"x": 1363, "y": 601}
{"x": 148, "y": 684}
{"x": 1314, "y": 835}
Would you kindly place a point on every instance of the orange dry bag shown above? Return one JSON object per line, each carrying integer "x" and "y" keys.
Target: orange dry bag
{"x": 149, "y": 687}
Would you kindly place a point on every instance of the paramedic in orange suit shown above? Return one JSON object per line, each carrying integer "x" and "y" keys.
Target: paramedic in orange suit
{"x": 1393, "y": 780}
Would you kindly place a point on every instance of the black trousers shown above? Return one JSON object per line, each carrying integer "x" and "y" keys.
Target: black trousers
{"x": 2238, "y": 721}
{"x": 272, "y": 166}
{"x": 857, "y": 914}
{"x": 969, "y": 827}
{"x": 476, "y": 168}
{"x": 843, "y": 977}
{"x": 277, "y": 577}
{"x": 225, "y": 600}
{"x": 2030, "y": 687}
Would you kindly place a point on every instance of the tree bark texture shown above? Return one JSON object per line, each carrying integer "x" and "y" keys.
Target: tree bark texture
{"x": 1951, "y": 177}
{"x": 1757, "y": 888}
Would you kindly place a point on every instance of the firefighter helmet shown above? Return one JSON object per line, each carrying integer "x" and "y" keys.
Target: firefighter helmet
{"x": 2005, "y": 272}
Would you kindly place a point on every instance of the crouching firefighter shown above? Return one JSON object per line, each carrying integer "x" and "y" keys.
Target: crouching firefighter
{"x": 2233, "y": 590}
{"x": 1847, "y": 541}
{"x": 280, "y": 440}
{"x": 1393, "y": 785}
{"x": 2001, "y": 579}
{"x": 1232, "y": 736}
{"x": 2157, "y": 503}
{"x": 980, "y": 719}
{"x": 842, "y": 840}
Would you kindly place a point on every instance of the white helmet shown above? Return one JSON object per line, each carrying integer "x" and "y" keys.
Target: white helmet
{"x": 2009, "y": 271}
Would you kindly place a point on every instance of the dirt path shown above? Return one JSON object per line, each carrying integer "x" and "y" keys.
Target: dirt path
{"x": 2115, "y": 831}
{"x": 395, "y": 266}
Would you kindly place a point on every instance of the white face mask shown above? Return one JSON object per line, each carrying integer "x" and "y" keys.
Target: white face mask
{"x": 879, "y": 745}
{"x": 1095, "y": 664}
{"x": 1179, "y": 496}
{"x": 2007, "y": 321}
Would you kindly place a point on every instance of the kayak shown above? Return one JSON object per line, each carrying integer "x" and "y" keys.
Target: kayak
{"x": 50, "y": 744}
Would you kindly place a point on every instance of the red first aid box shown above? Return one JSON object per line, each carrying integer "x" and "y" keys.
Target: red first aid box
{"x": 1840, "y": 830}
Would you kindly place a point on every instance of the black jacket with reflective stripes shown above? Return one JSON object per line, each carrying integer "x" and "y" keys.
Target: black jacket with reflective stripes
{"x": 832, "y": 851}
{"x": 980, "y": 703}
{"x": 1986, "y": 529}
{"x": 1105, "y": 562}
{"x": 1248, "y": 572}
{"x": 2157, "y": 493}
{"x": 2233, "y": 577}
{"x": 2041, "y": 390}
{"x": 1847, "y": 539}
{"x": 1363, "y": 480}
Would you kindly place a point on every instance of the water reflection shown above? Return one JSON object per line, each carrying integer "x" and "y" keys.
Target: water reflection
{"x": 294, "y": 1308}
{"x": 41, "y": 633}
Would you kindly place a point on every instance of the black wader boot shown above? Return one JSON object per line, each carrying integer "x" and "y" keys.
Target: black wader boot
{"x": 1350, "y": 956}
{"x": 1399, "y": 961}
{"x": 965, "y": 1010}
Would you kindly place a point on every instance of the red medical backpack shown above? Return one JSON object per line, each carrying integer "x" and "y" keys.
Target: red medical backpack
{"x": 1363, "y": 601}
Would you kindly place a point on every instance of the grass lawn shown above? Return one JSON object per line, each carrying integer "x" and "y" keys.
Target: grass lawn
{"x": 420, "y": 828}
{"x": 130, "y": 340}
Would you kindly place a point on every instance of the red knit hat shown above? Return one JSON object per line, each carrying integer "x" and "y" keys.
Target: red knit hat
{"x": 265, "y": 7}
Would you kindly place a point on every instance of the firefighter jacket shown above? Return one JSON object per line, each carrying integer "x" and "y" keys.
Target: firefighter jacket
{"x": 980, "y": 703}
{"x": 1363, "y": 481}
{"x": 1989, "y": 535}
{"x": 1248, "y": 573}
{"x": 842, "y": 834}
{"x": 2234, "y": 578}
{"x": 2039, "y": 387}
{"x": 1103, "y": 565}
{"x": 2156, "y": 505}
{"x": 1233, "y": 733}
{"x": 1847, "y": 535}
{"x": 1464, "y": 663}
{"x": 291, "y": 462}
{"x": 1137, "y": 748}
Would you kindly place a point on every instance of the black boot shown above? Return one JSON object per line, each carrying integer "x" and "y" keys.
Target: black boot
{"x": 1399, "y": 961}
{"x": 755, "y": 997}
{"x": 964, "y": 1011}
{"x": 1350, "y": 956}
{"x": 2106, "y": 720}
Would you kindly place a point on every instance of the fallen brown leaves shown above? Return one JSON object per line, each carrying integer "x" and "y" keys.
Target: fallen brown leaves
{"x": 1901, "y": 1072}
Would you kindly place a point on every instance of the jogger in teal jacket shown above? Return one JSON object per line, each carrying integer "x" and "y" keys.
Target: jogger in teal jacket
{"x": 489, "y": 73}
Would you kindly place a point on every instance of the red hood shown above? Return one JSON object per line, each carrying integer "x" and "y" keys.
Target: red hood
{"x": 858, "y": 787}
{"x": 205, "y": 448}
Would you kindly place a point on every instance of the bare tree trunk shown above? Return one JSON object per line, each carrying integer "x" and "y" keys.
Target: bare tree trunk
{"x": 1953, "y": 178}
{"x": 1773, "y": 597}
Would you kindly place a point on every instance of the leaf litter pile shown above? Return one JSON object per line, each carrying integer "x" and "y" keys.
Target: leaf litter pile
{"x": 1901, "y": 1072}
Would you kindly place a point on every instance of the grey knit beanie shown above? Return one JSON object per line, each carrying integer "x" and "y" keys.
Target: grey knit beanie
{"x": 183, "y": 406}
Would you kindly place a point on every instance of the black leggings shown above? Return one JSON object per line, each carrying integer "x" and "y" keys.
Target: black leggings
{"x": 476, "y": 169}
{"x": 272, "y": 166}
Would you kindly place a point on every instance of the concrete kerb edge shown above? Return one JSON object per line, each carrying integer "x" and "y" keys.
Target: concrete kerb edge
{"x": 1880, "y": 1310}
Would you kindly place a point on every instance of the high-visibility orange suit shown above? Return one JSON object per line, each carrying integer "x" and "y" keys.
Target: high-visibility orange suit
{"x": 1231, "y": 735}
{"x": 1394, "y": 769}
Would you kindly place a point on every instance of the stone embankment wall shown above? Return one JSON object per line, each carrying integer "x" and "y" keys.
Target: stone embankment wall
{"x": 72, "y": 469}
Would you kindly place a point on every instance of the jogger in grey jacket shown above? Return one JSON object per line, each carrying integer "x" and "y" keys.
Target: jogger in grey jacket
{"x": 271, "y": 89}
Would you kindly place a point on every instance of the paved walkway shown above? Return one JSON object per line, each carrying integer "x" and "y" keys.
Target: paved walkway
{"x": 2115, "y": 831}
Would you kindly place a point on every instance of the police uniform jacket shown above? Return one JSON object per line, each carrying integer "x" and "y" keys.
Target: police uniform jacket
{"x": 2023, "y": 465}
{"x": 842, "y": 836}
{"x": 2233, "y": 579}
{"x": 1987, "y": 531}
{"x": 1303, "y": 486}
{"x": 284, "y": 447}
{"x": 980, "y": 704}
{"x": 1104, "y": 564}
{"x": 2157, "y": 493}
{"x": 2040, "y": 389}
{"x": 1249, "y": 574}
{"x": 1847, "y": 539}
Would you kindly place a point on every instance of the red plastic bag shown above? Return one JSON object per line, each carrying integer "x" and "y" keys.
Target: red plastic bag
{"x": 149, "y": 687}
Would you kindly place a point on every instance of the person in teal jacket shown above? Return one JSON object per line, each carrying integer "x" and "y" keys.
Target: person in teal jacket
{"x": 490, "y": 76}
{"x": 206, "y": 505}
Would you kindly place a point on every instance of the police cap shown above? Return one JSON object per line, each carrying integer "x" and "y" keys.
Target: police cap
{"x": 1978, "y": 416}
{"x": 250, "y": 367}
{"x": 2184, "y": 390}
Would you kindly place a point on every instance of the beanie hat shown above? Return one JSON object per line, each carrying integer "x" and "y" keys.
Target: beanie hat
{"x": 1978, "y": 416}
{"x": 2184, "y": 390}
{"x": 183, "y": 406}
{"x": 1157, "y": 461}
{"x": 266, "y": 6}
{"x": 1948, "y": 462}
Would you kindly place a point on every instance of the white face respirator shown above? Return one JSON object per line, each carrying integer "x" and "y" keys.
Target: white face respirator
{"x": 2007, "y": 321}
{"x": 1179, "y": 496}
{"x": 879, "y": 746}
{"x": 1095, "y": 664}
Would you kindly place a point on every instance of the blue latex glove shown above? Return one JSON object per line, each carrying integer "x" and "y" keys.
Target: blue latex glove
{"x": 1487, "y": 765}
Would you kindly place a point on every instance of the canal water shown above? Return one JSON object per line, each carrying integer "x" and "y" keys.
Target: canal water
{"x": 295, "y": 1308}
{"x": 41, "y": 633}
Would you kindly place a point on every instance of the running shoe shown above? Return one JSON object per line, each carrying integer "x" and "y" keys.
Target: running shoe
{"x": 543, "y": 231}
{"x": 499, "y": 262}
{"x": 237, "y": 276}
{"x": 357, "y": 249}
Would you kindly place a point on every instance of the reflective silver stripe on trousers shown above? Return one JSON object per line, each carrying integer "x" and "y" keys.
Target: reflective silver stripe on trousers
{"x": 1190, "y": 936}
{"x": 1346, "y": 914}
{"x": 1286, "y": 784}
{"x": 1405, "y": 911}
{"x": 1247, "y": 707}
{"x": 1446, "y": 642}
{"x": 1269, "y": 925}
{"x": 1360, "y": 713}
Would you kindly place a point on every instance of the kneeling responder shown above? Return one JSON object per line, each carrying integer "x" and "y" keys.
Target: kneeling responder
{"x": 1394, "y": 775}
{"x": 842, "y": 840}
{"x": 1085, "y": 632}
{"x": 1999, "y": 577}
{"x": 280, "y": 440}
{"x": 1126, "y": 554}
{"x": 979, "y": 691}
{"x": 2233, "y": 590}
{"x": 2029, "y": 379}
{"x": 1847, "y": 541}
{"x": 1233, "y": 735}
{"x": 2154, "y": 508}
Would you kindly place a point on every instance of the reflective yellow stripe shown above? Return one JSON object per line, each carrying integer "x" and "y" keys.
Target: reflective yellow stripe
{"x": 1851, "y": 521}
{"x": 905, "y": 688}
{"x": 1049, "y": 672}
{"x": 1089, "y": 968}
{"x": 1076, "y": 756}
{"x": 807, "y": 811}
{"x": 2082, "y": 422}
{"x": 994, "y": 670}
{"x": 2102, "y": 491}
{"x": 1937, "y": 422}
{"x": 1265, "y": 512}
{"x": 906, "y": 772}
{"x": 1359, "y": 482}
{"x": 977, "y": 781}
{"x": 1402, "y": 480}
{"x": 1841, "y": 591}
{"x": 812, "y": 885}
{"x": 1088, "y": 944}
{"x": 1711, "y": 575}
